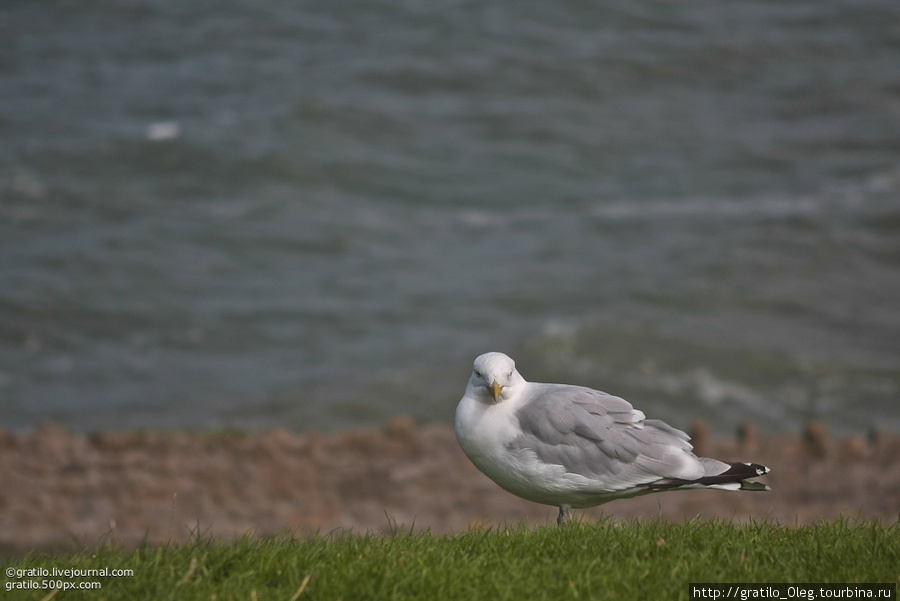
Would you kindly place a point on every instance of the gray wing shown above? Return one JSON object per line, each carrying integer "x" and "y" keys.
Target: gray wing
{"x": 602, "y": 437}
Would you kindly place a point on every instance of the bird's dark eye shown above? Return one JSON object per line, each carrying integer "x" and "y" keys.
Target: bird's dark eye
{"x": 477, "y": 374}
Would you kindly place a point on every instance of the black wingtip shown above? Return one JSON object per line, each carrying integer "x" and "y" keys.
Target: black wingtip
{"x": 751, "y": 470}
{"x": 738, "y": 472}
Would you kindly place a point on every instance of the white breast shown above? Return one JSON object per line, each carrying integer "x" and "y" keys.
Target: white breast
{"x": 484, "y": 432}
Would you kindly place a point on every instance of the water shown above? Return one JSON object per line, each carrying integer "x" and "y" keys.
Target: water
{"x": 315, "y": 215}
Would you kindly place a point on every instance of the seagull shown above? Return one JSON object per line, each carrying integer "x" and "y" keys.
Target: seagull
{"x": 575, "y": 447}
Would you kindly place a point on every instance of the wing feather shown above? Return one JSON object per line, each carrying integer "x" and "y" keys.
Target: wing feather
{"x": 602, "y": 438}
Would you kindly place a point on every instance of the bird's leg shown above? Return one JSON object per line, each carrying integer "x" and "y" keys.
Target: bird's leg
{"x": 565, "y": 514}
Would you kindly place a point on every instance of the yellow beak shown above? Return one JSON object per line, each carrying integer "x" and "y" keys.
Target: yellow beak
{"x": 495, "y": 391}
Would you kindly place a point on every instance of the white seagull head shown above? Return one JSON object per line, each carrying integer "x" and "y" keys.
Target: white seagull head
{"x": 494, "y": 378}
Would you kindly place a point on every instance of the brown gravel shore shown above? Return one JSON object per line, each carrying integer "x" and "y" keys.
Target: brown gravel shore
{"x": 61, "y": 490}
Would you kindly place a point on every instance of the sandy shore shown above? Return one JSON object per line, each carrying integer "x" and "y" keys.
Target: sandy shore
{"x": 60, "y": 488}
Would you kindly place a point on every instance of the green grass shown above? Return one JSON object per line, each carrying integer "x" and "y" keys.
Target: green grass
{"x": 630, "y": 560}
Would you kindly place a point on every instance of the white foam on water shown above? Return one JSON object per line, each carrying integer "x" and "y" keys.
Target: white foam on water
{"x": 163, "y": 130}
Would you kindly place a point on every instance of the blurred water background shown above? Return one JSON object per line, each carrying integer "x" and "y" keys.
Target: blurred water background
{"x": 250, "y": 213}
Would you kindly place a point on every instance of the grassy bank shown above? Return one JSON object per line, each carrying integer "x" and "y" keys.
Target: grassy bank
{"x": 632, "y": 560}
